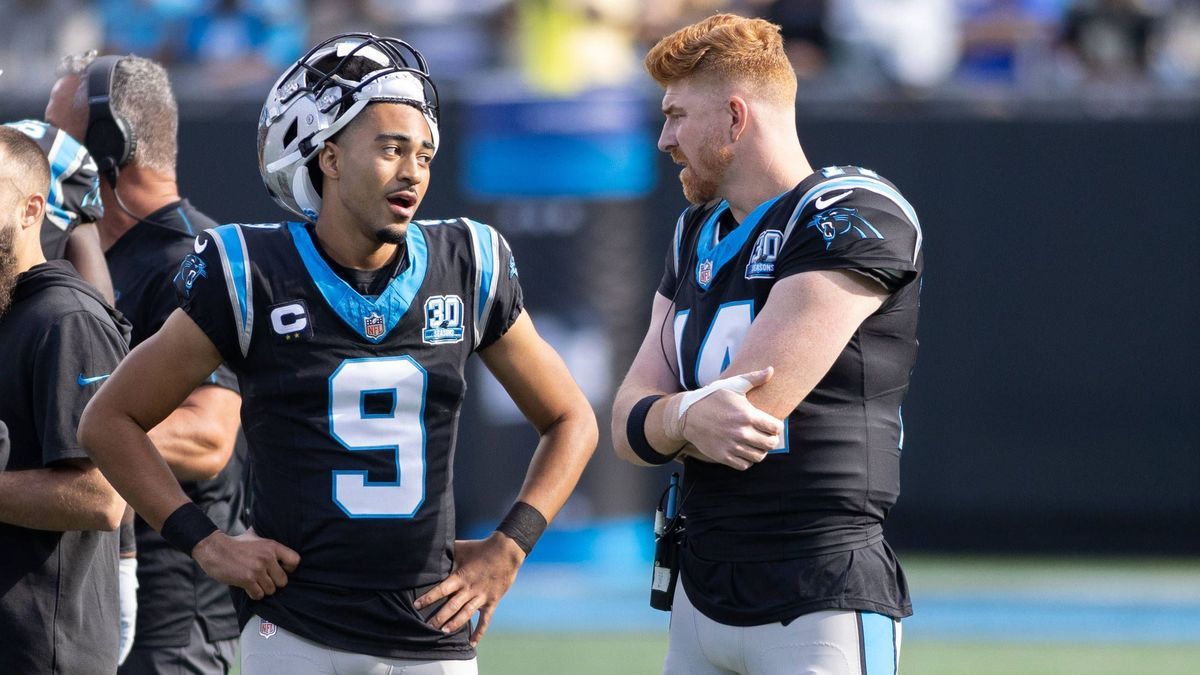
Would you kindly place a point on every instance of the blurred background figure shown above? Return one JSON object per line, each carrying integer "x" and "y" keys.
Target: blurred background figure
{"x": 34, "y": 34}
{"x": 1110, "y": 39}
{"x": 911, "y": 44}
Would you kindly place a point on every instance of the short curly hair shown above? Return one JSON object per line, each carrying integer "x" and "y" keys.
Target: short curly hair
{"x": 731, "y": 47}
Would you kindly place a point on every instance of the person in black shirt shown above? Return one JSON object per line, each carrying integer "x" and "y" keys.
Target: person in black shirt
{"x": 59, "y": 607}
{"x": 183, "y": 615}
{"x": 69, "y": 232}
{"x": 353, "y": 385}
{"x": 775, "y": 365}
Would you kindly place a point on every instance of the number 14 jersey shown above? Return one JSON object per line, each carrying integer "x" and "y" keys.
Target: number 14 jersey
{"x": 827, "y": 490}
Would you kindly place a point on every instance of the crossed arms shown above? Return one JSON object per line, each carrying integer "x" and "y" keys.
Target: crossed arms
{"x": 806, "y": 323}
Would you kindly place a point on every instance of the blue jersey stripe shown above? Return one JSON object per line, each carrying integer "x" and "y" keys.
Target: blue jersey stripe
{"x": 232, "y": 248}
{"x": 487, "y": 264}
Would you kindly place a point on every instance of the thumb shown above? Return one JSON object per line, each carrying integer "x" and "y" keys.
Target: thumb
{"x": 758, "y": 378}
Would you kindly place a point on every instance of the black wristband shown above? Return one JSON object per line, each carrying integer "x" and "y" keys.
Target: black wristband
{"x": 186, "y": 526}
{"x": 635, "y": 432}
{"x": 524, "y": 525}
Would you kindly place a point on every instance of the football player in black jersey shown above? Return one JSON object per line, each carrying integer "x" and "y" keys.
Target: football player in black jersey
{"x": 349, "y": 332}
{"x": 183, "y": 617}
{"x": 774, "y": 367}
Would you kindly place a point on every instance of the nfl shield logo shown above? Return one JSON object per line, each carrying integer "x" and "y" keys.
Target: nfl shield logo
{"x": 373, "y": 325}
{"x": 706, "y": 272}
{"x": 266, "y": 628}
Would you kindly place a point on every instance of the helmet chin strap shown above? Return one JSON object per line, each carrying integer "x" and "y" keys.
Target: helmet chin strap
{"x": 305, "y": 194}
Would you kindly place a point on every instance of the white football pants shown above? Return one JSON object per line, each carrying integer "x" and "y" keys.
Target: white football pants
{"x": 275, "y": 651}
{"x": 832, "y": 642}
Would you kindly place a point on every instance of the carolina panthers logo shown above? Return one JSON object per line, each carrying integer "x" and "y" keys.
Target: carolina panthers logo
{"x": 192, "y": 270}
{"x": 838, "y": 222}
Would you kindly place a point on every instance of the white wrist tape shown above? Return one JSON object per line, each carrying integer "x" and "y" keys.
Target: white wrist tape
{"x": 676, "y": 410}
{"x": 736, "y": 384}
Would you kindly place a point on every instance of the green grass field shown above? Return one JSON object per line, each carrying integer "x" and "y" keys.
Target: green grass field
{"x": 608, "y": 654}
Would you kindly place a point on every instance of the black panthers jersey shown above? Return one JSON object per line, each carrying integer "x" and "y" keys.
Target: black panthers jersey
{"x": 74, "y": 195}
{"x": 830, "y": 485}
{"x": 350, "y": 406}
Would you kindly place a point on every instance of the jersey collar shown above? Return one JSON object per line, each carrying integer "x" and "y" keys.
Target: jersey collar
{"x": 374, "y": 319}
{"x": 711, "y": 255}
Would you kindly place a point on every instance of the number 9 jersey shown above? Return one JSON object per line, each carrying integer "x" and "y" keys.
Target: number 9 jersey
{"x": 351, "y": 402}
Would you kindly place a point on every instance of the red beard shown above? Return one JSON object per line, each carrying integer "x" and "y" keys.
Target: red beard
{"x": 702, "y": 177}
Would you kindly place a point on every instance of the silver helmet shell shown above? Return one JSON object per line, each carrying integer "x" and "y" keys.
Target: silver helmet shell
{"x": 307, "y": 106}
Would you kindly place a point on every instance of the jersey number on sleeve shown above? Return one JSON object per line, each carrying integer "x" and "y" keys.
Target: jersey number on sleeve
{"x": 401, "y": 381}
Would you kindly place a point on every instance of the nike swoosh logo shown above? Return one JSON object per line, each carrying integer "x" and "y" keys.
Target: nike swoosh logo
{"x": 198, "y": 246}
{"x": 85, "y": 381}
{"x": 823, "y": 203}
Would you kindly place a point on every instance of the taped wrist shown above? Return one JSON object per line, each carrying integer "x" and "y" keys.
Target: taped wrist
{"x": 524, "y": 525}
{"x": 675, "y": 412}
{"x": 635, "y": 433}
{"x": 186, "y": 527}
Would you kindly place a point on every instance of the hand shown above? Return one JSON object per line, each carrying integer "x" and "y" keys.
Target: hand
{"x": 256, "y": 565}
{"x": 484, "y": 569}
{"x": 723, "y": 426}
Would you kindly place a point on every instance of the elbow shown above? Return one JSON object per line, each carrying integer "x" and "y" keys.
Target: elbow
{"x": 217, "y": 449}
{"x": 88, "y": 433}
{"x": 109, "y": 518}
{"x": 203, "y": 468}
{"x": 108, "y": 508}
{"x": 586, "y": 428}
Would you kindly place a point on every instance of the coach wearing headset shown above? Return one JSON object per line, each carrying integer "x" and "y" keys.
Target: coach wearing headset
{"x": 124, "y": 109}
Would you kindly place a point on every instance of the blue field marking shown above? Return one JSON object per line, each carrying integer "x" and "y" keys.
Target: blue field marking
{"x": 1032, "y": 619}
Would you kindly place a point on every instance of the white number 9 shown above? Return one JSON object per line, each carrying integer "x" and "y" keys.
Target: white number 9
{"x": 402, "y": 430}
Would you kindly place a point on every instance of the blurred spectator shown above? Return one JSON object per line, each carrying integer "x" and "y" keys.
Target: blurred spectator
{"x": 150, "y": 28}
{"x": 568, "y": 46}
{"x": 456, "y": 37}
{"x": 35, "y": 35}
{"x": 1009, "y": 42}
{"x": 804, "y": 35}
{"x": 271, "y": 32}
{"x": 1178, "y": 61}
{"x": 1109, "y": 39}
{"x": 912, "y": 44}
{"x": 661, "y": 17}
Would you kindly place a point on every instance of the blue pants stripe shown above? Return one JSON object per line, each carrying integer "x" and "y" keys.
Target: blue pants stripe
{"x": 878, "y": 643}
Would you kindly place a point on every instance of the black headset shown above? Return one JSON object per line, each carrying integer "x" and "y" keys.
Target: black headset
{"x": 109, "y": 137}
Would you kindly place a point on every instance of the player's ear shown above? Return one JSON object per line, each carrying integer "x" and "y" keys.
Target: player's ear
{"x": 328, "y": 159}
{"x": 35, "y": 209}
{"x": 739, "y": 113}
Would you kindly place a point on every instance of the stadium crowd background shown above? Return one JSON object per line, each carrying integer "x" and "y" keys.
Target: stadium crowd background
{"x": 950, "y": 49}
{"x": 1047, "y": 145}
